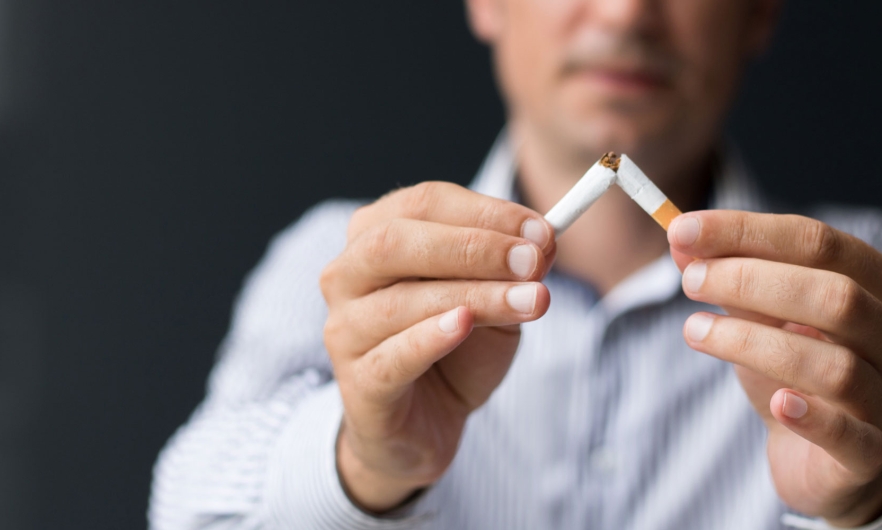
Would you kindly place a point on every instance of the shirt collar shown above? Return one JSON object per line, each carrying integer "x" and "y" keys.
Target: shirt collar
{"x": 496, "y": 177}
{"x": 733, "y": 189}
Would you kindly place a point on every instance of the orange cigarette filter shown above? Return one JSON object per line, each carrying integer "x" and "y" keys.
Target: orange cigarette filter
{"x": 666, "y": 213}
{"x": 644, "y": 192}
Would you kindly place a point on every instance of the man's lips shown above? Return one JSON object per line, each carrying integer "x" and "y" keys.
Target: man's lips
{"x": 624, "y": 80}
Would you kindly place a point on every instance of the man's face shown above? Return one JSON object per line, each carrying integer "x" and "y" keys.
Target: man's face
{"x": 651, "y": 78}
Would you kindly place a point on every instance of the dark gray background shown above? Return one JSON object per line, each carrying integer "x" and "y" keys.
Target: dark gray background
{"x": 149, "y": 150}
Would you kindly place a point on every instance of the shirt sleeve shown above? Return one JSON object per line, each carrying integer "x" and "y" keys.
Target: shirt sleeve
{"x": 313, "y": 497}
{"x": 259, "y": 452}
{"x": 804, "y": 523}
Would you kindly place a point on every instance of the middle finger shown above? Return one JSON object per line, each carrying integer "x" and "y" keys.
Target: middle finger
{"x": 813, "y": 366}
{"x": 828, "y": 301}
{"x": 403, "y": 248}
{"x": 371, "y": 319}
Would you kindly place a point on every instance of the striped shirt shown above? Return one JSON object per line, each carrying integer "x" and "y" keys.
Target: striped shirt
{"x": 606, "y": 419}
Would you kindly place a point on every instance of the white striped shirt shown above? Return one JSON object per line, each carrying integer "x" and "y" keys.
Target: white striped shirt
{"x": 606, "y": 419}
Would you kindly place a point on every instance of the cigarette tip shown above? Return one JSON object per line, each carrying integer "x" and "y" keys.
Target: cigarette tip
{"x": 611, "y": 160}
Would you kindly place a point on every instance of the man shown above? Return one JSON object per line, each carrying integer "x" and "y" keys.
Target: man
{"x": 404, "y": 405}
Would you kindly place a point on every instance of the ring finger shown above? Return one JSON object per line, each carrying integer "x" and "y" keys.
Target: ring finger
{"x": 371, "y": 319}
{"x": 817, "y": 367}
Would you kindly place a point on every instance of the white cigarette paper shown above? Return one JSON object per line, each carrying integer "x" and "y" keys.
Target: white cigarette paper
{"x": 590, "y": 187}
{"x": 638, "y": 186}
{"x": 594, "y": 183}
{"x": 645, "y": 193}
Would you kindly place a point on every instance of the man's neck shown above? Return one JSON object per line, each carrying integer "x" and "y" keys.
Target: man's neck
{"x": 614, "y": 238}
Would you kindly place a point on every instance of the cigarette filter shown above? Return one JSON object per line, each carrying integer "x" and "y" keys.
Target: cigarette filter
{"x": 646, "y": 194}
{"x": 588, "y": 189}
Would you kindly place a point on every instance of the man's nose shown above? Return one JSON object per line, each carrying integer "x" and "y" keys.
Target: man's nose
{"x": 632, "y": 16}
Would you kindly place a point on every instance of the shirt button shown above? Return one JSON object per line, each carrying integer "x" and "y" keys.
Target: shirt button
{"x": 603, "y": 459}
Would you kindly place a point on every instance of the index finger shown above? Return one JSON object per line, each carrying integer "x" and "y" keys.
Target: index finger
{"x": 792, "y": 239}
{"x": 450, "y": 204}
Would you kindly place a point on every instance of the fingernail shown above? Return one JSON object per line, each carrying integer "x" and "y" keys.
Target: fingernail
{"x": 449, "y": 321}
{"x": 686, "y": 230}
{"x": 522, "y": 260}
{"x": 693, "y": 276}
{"x": 522, "y": 298}
{"x": 698, "y": 326}
{"x": 794, "y": 407}
{"x": 535, "y": 231}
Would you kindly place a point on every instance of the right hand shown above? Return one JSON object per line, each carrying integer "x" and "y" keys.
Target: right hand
{"x": 424, "y": 305}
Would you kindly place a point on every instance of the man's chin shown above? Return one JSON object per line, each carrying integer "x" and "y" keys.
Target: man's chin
{"x": 613, "y": 133}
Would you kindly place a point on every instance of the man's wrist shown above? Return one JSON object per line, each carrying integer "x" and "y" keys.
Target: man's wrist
{"x": 370, "y": 491}
{"x": 868, "y": 511}
{"x": 865, "y": 515}
{"x": 303, "y": 488}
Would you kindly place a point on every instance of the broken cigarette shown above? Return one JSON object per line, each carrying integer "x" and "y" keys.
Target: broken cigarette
{"x": 624, "y": 172}
{"x": 646, "y": 194}
{"x": 590, "y": 187}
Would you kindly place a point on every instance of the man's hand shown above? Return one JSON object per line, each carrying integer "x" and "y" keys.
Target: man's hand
{"x": 805, "y": 333}
{"x": 423, "y": 266}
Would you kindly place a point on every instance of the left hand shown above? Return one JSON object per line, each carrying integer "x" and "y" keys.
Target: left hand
{"x": 804, "y": 330}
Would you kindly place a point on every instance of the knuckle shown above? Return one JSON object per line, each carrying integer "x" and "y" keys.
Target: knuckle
{"x": 791, "y": 361}
{"x": 367, "y": 377}
{"x": 421, "y": 198}
{"x": 412, "y": 344}
{"x": 842, "y": 374}
{"x": 332, "y": 334}
{"x": 741, "y": 284}
{"x": 746, "y": 233}
{"x": 786, "y": 287}
{"x": 435, "y": 299}
{"x": 839, "y": 429}
{"x": 358, "y": 221}
{"x": 783, "y": 360}
{"x": 744, "y": 339}
{"x": 487, "y": 213}
{"x": 377, "y": 244}
{"x": 822, "y": 242}
{"x": 843, "y": 300}
{"x": 738, "y": 228}
{"x": 470, "y": 249}
{"x": 387, "y": 307}
{"x": 328, "y": 278}
{"x": 387, "y": 366}
{"x": 473, "y": 297}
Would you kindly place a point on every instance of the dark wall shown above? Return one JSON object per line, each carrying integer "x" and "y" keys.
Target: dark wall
{"x": 174, "y": 139}
{"x": 808, "y": 115}
{"x": 155, "y": 147}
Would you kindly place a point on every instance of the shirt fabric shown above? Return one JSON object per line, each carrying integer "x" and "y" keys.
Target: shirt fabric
{"x": 606, "y": 419}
